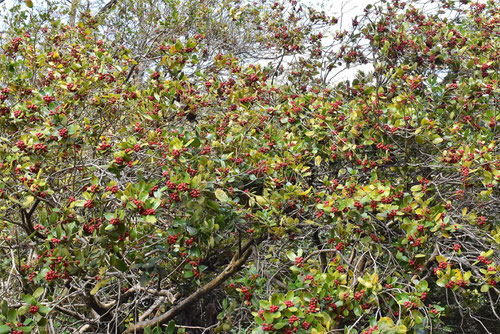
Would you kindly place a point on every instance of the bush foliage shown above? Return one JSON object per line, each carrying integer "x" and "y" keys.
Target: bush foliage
{"x": 194, "y": 166}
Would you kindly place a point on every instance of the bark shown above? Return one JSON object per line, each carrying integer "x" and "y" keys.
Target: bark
{"x": 106, "y": 7}
{"x": 237, "y": 261}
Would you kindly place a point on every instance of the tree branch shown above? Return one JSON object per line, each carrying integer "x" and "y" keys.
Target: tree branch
{"x": 106, "y": 7}
{"x": 237, "y": 261}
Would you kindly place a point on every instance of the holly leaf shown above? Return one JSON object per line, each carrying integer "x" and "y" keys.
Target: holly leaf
{"x": 98, "y": 286}
{"x": 4, "y": 329}
{"x": 221, "y": 196}
{"x": 170, "y": 327}
{"x": 119, "y": 264}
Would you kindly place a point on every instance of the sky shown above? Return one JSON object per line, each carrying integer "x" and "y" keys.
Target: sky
{"x": 349, "y": 8}
{"x": 343, "y": 10}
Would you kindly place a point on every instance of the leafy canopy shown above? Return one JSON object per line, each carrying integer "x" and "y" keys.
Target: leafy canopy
{"x": 194, "y": 165}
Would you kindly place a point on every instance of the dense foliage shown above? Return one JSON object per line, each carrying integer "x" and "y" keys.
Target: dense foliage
{"x": 193, "y": 166}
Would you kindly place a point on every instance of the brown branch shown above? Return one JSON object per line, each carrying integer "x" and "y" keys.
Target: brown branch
{"x": 106, "y": 7}
{"x": 33, "y": 208}
{"x": 320, "y": 251}
{"x": 70, "y": 313}
{"x": 130, "y": 72}
{"x": 96, "y": 305}
{"x": 322, "y": 255}
{"x": 26, "y": 221}
{"x": 237, "y": 261}
{"x": 280, "y": 283}
{"x": 428, "y": 263}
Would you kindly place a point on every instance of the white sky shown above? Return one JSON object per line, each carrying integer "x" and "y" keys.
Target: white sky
{"x": 346, "y": 9}
{"x": 343, "y": 10}
{"x": 349, "y": 8}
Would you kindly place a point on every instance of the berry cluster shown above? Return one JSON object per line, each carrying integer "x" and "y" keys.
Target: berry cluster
{"x": 34, "y": 309}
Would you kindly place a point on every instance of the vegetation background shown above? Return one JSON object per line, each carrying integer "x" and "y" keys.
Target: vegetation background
{"x": 205, "y": 166}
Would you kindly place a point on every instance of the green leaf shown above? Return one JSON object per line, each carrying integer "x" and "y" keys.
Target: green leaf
{"x": 119, "y": 264}
{"x": 28, "y": 329}
{"x": 275, "y": 299}
{"x": 12, "y": 315}
{"x": 213, "y": 205}
{"x": 29, "y": 3}
{"x": 268, "y": 317}
{"x": 79, "y": 203}
{"x": 150, "y": 219}
{"x": 364, "y": 283}
{"x": 422, "y": 286}
{"x": 441, "y": 282}
{"x": 4, "y": 329}
{"x": 178, "y": 45}
{"x": 144, "y": 280}
{"x": 264, "y": 304}
{"x": 195, "y": 181}
{"x": 5, "y": 308}
{"x": 420, "y": 140}
{"x": 23, "y": 309}
{"x": 28, "y": 299}
{"x": 280, "y": 325}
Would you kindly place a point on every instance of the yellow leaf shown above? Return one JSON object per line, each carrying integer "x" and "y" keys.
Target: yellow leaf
{"x": 221, "y": 195}
{"x": 98, "y": 286}
{"x": 387, "y": 321}
{"x": 56, "y": 55}
{"x": 164, "y": 59}
{"x": 261, "y": 200}
{"x": 28, "y": 201}
{"x": 415, "y": 188}
{"x": 317, "y": 160}
{"x": 304, "y": 193}
{"x": 402, "y": 329}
